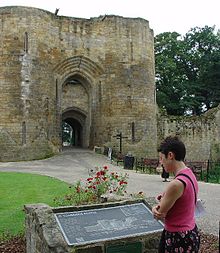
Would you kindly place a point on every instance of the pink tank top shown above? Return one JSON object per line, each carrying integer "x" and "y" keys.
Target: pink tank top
{"x": 181, "y": 216}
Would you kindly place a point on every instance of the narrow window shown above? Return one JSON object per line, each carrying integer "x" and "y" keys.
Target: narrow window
{"x": 132, "y": 132}
{"x": 56, "y": 92}
{"x": 23, "y": 133}
{"x": 132, "y": 51}
{"x": 26, "y": 42}
{"x": 100, "y": 91}
{"x": 129, "y": 104}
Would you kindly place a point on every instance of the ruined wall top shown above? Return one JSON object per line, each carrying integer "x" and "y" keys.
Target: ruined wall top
{"x": 13, "y": 10}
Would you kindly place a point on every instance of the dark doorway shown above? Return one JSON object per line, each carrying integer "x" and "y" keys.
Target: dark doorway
{"x": 72, "y": 133}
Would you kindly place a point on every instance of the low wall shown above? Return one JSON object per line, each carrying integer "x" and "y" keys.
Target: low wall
{"x": 201, "y": 134}
{"x": 43, "y": 234}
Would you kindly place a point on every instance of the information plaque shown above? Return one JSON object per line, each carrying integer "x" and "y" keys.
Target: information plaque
{"x": 108, "y": 223}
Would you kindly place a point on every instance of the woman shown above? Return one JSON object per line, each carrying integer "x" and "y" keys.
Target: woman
{"x": 177, "y": 204}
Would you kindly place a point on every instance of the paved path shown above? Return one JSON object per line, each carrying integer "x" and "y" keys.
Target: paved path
{"x": 72, "y": 165}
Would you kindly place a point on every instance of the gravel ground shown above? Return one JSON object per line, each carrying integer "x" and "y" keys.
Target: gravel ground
{"x": 209, "y": 244}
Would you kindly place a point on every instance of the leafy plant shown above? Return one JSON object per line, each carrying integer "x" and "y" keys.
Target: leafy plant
{"x": 102, "y": 182}
{"x": 213, "y": 174}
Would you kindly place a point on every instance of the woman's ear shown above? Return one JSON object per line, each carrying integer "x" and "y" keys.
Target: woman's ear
{"x": 171, "y": 155}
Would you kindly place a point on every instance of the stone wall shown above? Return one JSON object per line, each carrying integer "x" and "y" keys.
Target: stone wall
{"x": 201, "y": 134}
{"x": 96, "y": 74}
{"x": 43, "y": 234}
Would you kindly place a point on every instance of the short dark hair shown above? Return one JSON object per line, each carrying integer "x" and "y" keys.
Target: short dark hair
{"x": 175, "y": 145}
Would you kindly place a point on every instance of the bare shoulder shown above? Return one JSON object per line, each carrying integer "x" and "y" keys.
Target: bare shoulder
{"x": 175, "y": 186}
{"x": 175, "y": 183}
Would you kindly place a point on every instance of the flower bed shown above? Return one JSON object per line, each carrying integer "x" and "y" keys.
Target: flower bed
{"x": 101, "y": 182}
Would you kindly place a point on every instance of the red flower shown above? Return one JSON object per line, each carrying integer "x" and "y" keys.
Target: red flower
{"x": 122, "y": 182}
{"x": 105, "y": 167}
{"x": 98, "y": 174}
{"x": 102, "y": 172}
{"x": 89, "y": 179}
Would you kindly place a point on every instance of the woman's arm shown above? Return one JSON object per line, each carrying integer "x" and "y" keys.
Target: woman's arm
{"x": 173, "y": 192}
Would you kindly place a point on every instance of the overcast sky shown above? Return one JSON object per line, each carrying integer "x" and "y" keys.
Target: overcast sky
{"x": 163, "y": 15}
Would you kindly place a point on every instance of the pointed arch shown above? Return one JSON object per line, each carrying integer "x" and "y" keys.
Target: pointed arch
{"x": 79, "y": 64}
{"x": 79, "y": 70}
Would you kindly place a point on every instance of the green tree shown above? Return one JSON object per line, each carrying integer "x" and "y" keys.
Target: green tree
{"x": 201, "y": 47}
{"x": 211, "y": 77}
{"x": 168, "y": 74}
{"x": 187, "y": 71}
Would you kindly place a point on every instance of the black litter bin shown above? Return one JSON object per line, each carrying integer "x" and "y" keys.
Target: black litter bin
{"x": 129, "y": 162}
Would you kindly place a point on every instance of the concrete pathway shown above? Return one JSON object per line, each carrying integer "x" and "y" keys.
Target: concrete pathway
{"x": 74, "y": 164}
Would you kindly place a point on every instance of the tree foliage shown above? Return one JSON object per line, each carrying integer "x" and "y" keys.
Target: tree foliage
{"x": 188, "y": 71}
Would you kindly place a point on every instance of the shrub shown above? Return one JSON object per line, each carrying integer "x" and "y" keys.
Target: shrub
{"x": 102, "y": 182}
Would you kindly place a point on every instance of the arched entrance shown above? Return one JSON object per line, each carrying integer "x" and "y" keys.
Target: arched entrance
{"x": 78, "y": 90}
{"x": 71, "y": 133}
{"x": 76, "y": 107}
{"x": 74, "y": 128}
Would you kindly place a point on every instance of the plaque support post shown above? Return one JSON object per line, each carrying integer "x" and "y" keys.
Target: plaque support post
{"x": 120, "y": 137}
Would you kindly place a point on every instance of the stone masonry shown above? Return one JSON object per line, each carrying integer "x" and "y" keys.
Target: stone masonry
{"x": 201, "y": 134}
{"x": 95, "y": 74}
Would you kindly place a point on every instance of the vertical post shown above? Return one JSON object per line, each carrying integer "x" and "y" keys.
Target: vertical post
{"x": 119, "y": 137}
{"x": 208, "y": 167}
{"x": 120, "y": 142}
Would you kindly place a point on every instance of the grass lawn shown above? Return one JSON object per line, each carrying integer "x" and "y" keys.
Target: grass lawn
{"x": 18, "y": 189}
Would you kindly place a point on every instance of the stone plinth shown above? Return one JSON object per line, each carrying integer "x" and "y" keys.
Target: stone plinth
{"x": 43, "y": 234}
